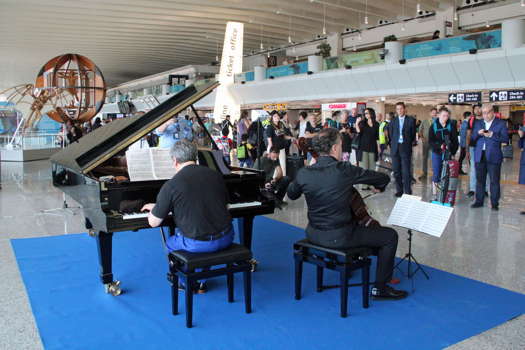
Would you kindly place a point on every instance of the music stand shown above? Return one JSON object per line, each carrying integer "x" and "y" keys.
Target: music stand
{"x": 409, "y": 257}
{"x": 411, "y": 213}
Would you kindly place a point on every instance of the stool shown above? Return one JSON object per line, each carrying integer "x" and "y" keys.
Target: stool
{"x": 342, "y": 260}
{"x": 182, "y": 264}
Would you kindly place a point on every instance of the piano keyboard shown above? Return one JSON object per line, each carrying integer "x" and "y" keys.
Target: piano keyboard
{"x": 244, "y": 205}
{"x": 134, "y": 216}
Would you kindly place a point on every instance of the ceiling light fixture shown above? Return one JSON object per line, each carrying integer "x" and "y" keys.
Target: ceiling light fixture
{"x": 289, "y": 29}
{"x": 324, "y": 19}
{"x": 366, "y": 11}
{"x": 262, "y": 46}
{"x": 418, "y": 8}
{"x": 487, "y": 24}
{"x": 522, "y": 3}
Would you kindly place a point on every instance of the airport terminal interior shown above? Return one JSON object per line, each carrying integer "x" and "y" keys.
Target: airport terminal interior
{"x": 339, "y": 133}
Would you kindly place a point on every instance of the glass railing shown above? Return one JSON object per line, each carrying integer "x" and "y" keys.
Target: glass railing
{"x": 31, "y": 140}
{"x": 355, "y": 59}
{"x": 458, "y": 44}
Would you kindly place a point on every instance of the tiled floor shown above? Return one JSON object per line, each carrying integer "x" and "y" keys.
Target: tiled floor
{"x": 478, "y": 243}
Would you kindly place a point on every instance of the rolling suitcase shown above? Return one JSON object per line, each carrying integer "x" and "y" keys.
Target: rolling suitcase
{"x": 293, "y": 164}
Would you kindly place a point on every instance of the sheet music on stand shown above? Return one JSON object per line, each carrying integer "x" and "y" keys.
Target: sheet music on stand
{"x": 149, "y": 164}
{"x": 412, "y": 213}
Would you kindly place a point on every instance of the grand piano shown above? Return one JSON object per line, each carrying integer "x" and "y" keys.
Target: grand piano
{"x": 93, "y": 172}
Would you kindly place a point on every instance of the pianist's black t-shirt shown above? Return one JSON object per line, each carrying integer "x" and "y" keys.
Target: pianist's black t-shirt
{"x": 198, "y": 198}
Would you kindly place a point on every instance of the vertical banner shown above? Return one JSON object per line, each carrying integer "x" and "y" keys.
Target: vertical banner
{"x": 231, "y": 64}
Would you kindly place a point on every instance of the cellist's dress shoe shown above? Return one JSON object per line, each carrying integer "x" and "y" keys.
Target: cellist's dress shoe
{"x": 388, "y": 293}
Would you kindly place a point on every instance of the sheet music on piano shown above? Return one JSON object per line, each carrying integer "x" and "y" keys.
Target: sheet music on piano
{"x": 149, "y": 164}
{"x": 412, "y": 213}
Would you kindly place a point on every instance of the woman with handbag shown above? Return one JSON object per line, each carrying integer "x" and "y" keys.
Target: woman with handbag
{"x": 367, "y": 135}
{"x": 276, "y": 136}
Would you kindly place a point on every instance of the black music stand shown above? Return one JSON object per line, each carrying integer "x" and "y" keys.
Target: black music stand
{"x": 409, "y": 257}
{"x": 411, "y": 213}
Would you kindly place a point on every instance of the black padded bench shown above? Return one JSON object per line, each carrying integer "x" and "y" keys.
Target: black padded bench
{"x": 343, "y": 261}
{"x": 183, "y": 265}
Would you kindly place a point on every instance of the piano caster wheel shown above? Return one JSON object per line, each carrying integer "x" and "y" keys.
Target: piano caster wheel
{"x": 254, "y": 264}
{"x": 113, "y": 288}
{"x": 92, "y": 233}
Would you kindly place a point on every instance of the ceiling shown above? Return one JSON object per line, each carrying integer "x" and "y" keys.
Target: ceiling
{"x": 129, "y": 39}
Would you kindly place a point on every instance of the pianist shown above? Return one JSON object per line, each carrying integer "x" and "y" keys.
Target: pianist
{"x": 327, "y": 187}
{"x": 197, "y": 197}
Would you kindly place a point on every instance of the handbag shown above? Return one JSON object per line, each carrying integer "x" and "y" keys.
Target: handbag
{"x": 355, "y": 141}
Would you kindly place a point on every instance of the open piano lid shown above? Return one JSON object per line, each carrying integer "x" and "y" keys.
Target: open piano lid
{"x": 103, "y": 143}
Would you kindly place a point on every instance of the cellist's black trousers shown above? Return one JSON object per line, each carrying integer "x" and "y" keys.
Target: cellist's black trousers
{"x": 382, "y": 239}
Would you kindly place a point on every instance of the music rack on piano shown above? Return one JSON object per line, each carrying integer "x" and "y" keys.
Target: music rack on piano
{"x": 93, "y": 171}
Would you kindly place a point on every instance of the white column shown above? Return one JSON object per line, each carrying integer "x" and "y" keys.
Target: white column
{"x": 512, "y": 33}
{"x": 394, "y": 52}
{"x": 259, "y": 73}
{"x": 189, "y": 82}
{"x": 315, "y": 63}
{"x": 146, "y": 92}
{"x": 336, "y": 44}
{"x": 165, "y": 89}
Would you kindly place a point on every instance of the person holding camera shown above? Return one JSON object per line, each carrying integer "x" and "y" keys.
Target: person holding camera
{"x": 443, "y": 142}
{"x": 368, "y": 131}
{"x": 488, "y": 137}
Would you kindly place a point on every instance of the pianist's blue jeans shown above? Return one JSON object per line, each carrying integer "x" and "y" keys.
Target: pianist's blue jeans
{"x": 178, "y": 241}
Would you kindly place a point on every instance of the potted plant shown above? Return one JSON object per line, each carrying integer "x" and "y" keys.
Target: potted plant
{"x": 324, "y": 50}
{"x": 388, "y": 38}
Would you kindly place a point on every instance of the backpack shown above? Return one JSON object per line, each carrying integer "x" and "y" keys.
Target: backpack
{"x": 242, "y": 152}
{"x": 186, "y": 131}
{"x": 435, "y": 127}
{"x": 471, "y": 121}
{"x": 224, "y": 145}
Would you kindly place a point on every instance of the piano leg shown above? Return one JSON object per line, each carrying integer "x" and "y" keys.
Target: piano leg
{"x": 245, "y": 227}
{"x": 105, "y": 250}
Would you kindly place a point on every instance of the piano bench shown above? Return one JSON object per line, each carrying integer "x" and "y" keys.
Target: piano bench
{"x": 342, "y": 260}
{"x": 182, "y": 264}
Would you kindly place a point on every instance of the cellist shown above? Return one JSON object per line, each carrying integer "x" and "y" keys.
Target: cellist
{"x": 328, "y": 187}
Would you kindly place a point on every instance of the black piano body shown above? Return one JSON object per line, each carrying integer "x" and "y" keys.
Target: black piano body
{"x": 93, "y": 172}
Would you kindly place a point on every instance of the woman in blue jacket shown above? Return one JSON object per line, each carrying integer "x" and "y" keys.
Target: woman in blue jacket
{"x": 442, "y": 135}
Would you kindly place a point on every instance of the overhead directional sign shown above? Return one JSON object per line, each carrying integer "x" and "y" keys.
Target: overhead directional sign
{"x": 464, "y": 97}
{"x": 507, "y": 95}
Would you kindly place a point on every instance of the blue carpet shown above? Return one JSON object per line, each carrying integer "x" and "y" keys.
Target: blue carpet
{"x": 73, "y": 312}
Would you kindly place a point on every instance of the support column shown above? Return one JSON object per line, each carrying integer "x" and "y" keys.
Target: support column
{"x": 336, "y": 44}
{"x": 395, "y": 52}
{"x": 165, "y": 89}
{"x": 315, "y": 63}
{"x": 259, "y": 73}
{"x": 512, "y": 33}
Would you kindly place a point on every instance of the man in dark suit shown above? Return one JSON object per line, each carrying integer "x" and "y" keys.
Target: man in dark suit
{"x": 488, "y": 157}
{"x": 401, "y": 136}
